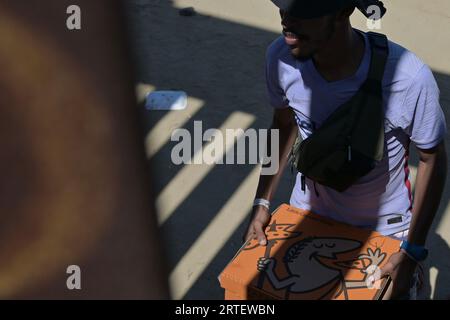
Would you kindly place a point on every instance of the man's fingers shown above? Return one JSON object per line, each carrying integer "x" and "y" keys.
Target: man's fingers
{"x": 249, "y": 235}
{"x": 260, "y": 236}
{"x": 387, "y": 269}
{"x": 420, "y": 278}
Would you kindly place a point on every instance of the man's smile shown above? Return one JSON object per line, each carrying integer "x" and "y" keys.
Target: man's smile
{"x": 292, "y": 38}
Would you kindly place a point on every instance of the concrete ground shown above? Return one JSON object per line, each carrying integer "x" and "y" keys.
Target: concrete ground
{"x": 217, "y": 57}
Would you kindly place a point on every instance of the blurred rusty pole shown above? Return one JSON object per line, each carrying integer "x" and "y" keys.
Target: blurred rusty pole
{"x": 74, "y": 187}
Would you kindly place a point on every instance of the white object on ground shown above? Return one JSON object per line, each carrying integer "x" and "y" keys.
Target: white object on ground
{"x": 166, "y": 100}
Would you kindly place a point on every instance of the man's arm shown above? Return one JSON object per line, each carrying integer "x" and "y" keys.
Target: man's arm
{"x": 284, "y": 121}
{"x": 430, "y": 181}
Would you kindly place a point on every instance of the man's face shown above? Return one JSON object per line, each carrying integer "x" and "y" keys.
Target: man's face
{"x": 307, "y": 36}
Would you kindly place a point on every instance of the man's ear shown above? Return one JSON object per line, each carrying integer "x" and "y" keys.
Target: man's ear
{"x": 345, "y": 13}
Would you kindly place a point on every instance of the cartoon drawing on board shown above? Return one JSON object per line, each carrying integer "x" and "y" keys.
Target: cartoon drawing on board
{"x": 308, "y": 273}
{"x": 274, "y": 233}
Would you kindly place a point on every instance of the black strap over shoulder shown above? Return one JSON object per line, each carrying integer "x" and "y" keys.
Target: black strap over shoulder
{"x": 380, "y": 51}
{"x": 350, "y": 142}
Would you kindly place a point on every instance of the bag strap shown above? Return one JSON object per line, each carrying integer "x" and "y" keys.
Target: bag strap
{"x": 373, "y": 82}
{"x": 380, "y": 53}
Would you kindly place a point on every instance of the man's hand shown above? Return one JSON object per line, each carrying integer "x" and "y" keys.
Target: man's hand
{"x": 258, "y": 222}
{"x": 401, "y": 268}
{"x": 284, "y": 121}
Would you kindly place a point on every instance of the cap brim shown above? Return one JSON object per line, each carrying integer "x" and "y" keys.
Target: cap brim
{"x": 310, "y": 9}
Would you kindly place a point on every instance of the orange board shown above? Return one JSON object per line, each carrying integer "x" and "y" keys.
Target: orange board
{"x": 309, "y": 257}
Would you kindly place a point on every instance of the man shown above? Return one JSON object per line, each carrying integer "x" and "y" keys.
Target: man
{"x": 319, "y": 64}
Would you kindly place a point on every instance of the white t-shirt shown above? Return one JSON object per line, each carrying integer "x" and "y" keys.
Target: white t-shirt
{"x": 381, "y": 200}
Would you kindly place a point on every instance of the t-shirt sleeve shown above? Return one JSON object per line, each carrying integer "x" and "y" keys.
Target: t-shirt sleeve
{"x": 277, "y": 97}
{"x": 423, "y": 119}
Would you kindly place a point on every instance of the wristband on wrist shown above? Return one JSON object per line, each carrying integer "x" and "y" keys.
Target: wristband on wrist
{"x": 262, "y": 202}
{"x": 409, "y": 256}
{"x": 415, "y": 252}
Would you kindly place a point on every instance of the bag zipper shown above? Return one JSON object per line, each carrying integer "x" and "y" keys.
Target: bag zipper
{"x": 349, "y": 149}
{"x": 303, "y": 183}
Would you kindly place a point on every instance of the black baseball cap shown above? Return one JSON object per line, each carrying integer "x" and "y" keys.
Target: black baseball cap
{"x": 309, "y": 9}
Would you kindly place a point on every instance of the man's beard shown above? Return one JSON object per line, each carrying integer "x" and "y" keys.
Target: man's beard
{"x": 303, "y": 57}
